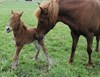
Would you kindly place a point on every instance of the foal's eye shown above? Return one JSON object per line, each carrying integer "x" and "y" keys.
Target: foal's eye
{"x": 11, "y": 18}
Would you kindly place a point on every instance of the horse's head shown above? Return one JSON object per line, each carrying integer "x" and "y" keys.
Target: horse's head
{"x": 43, "y": 22}
{"x": 47, "y": 16}
{"x": 14, "y": 21}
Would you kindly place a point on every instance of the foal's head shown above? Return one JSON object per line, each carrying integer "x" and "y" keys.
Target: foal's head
{"x": 14, "y": 21}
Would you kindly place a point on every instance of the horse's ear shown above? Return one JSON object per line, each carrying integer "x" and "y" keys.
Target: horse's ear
{"x": 12, "y": 12}
{"x": 41, "y": 9}
{"x": 21, "y": 14}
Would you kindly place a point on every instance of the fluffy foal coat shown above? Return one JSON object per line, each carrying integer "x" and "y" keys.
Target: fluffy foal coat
{"x": 22, "y": 36}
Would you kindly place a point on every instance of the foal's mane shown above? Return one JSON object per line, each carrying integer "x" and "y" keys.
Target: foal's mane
{"x": 22, "y": 27}
{"x": 53, "y": 8}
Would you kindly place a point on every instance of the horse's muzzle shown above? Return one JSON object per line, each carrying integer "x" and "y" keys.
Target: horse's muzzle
{"x": 40, "y": 37}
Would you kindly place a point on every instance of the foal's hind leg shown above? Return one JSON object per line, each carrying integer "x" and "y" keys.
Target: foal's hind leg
{"x": 38, "y": 47}
{"x": 15, "y": 58}
{"x": 45, "y": 52}
{"x": 75, "y": 39}
{"x": 97, "y": 45}
{"x": 89, "y": 48}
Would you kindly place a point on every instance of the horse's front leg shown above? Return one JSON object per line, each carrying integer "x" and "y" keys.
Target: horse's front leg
{"x": 15, "y": 58}
{"x": 89, "y": 48}
{"x": 45, "y": 52}
{"x": 75, "y": 39}
{"x": 97, "y": 45}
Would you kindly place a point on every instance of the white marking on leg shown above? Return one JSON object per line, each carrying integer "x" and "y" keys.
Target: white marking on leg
{"x": 14, "y": 65}
{"x": 38, "y": 47}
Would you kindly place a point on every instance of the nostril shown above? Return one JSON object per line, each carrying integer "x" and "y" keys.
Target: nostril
{"x": 8, "y": 29}
{"x": 40, "y": 37}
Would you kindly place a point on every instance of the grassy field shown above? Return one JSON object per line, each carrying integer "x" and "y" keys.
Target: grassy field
{"x": 58, "y": 42}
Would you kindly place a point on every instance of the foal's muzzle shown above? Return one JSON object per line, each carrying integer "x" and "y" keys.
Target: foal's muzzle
{"x": 8, "y": 29}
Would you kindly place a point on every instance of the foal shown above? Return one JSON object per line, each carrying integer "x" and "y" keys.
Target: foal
{"x": 23, "y": 36}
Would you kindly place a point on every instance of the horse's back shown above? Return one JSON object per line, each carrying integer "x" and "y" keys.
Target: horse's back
{"x": 84, "y": 13}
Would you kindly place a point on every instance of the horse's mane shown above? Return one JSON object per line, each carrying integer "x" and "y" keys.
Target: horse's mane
{"x": 53, "y": 8}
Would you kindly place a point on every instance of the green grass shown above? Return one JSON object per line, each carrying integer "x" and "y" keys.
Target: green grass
{"x": 58, "y": 42}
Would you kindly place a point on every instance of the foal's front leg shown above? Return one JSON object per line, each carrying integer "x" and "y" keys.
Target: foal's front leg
{"x": 15, "y": 58}
{"x": 45, "y": 52}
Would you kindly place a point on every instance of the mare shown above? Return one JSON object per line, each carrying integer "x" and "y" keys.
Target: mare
{"x": 82, "y": 17}
{"x": 23, "y": 35}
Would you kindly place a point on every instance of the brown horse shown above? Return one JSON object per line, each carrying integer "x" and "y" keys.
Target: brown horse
{"x": 22, "y": 36}
{"x": 82, "y": 17}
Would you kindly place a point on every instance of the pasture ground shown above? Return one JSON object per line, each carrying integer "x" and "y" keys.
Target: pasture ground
{"x": 58, "y": 42}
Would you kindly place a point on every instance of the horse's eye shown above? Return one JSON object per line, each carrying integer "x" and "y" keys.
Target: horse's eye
{"x": 41, "y": 20}
{"x": 46, "y": 13}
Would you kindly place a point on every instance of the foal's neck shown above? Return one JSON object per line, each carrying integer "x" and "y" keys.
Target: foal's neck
{"x": 21, "y": 28}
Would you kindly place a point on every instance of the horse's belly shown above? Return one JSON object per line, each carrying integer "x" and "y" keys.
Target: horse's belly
{"x": 97, "y": 33}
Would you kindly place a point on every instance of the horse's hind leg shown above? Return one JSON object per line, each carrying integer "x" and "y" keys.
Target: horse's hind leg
{"x": 75, "y": 39}
{"x": 97, "y": 45}
{"x": 45, "y": 52}
{"x": 89, "y": 48}
{"x": 15, "y": 58}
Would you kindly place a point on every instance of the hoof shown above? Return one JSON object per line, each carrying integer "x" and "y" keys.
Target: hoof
{"x": 97, "y": 50}
{"x": 49, "y": 67}
{"x": 89, "y": 66}
{"x": 14, "y": 65}
{"x": 34, "y": 59}
{"x": 70, "y": 61}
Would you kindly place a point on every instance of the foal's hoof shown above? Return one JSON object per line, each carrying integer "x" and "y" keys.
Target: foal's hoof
{"x": 49, "y": 67}
{"x": 34, "y": 59}
{"x": 14, "y": 67}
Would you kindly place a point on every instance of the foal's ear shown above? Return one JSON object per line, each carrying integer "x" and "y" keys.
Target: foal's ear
{"x": 21, "y": 14}
{"x": 38, "y": 3}
{"x": 12, "y": 12}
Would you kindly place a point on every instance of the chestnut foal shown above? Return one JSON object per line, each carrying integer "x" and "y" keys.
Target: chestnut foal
{"x": 23, "y": 36}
